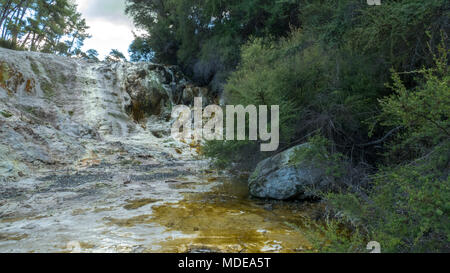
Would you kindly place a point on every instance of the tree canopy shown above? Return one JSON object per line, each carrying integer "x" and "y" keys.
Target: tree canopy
{"x": 204, "y": 37}
{"x": 52, "y": 26}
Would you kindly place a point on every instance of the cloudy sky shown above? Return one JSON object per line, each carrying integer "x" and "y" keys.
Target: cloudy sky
{"x": 109, "y": 26}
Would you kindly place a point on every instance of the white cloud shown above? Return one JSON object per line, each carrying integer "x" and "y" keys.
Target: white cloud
{"x": 109, "y": 26}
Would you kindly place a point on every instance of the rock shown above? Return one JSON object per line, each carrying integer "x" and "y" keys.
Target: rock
{"x": 152, "y": 88}
{"x": 138, "y": 249}
{"x": 191, "y": 92}
{"x": 268, "y": 207}
{"x": 188, "y": 95}
{"x": 53, "y": 108}
{"x": 127, "y": 180}
{"x": 30, "y": 226}
{"x": 278, "y": 178}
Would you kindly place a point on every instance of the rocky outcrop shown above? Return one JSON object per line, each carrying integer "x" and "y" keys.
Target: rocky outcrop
{"x": 154, "y": 89}
{"x": 53, "y": 107}
{"x": 278, "y": 177}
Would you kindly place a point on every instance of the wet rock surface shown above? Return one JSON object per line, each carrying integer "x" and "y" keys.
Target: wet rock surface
{"x": 278, "y": 178}
{"x": 76, "y": 204}
{"x": 79, "y": 173}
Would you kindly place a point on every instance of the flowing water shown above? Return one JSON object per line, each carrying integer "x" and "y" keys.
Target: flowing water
{"x": 155, "y": 201}
{"x": 78, "y": 175}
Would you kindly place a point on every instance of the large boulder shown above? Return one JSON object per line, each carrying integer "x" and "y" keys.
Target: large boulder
{"x": 279, "y": 178}
{"x": 146, "y": 89}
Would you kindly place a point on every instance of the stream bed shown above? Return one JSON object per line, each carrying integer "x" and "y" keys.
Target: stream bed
{"x": 136, "y": 195}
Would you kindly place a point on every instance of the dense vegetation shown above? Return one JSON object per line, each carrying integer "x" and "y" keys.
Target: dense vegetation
{"x": 367, "y": 86}
{"x": 204, "y": 37}
{"x": 51, "y": 26}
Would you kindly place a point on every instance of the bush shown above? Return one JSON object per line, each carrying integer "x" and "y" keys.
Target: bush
{"x": 386, "y": 146}
{"x": 423, "y": 112}
{"x": 407, "y": 206}
{"x": 243, "y": 154}
{"x": 297, "y": 74}
{"x": 407, "y": 211}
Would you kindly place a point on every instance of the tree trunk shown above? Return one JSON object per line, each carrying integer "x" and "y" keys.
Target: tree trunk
{"x": 26, "y": 39}
{"x": 20, "y": 14}
{"x": 5, "y": 11}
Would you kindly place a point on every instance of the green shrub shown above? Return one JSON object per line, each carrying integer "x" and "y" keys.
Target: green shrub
{"x": 227, "y": 153}
{"x": 423, "y": 112}
{"x": 297, "y": 74}
{"x": 269, "y": 75}
{"x": 407, "y": 211}
{"x": 320, "y": 153}
{"x": 407, "y": 207}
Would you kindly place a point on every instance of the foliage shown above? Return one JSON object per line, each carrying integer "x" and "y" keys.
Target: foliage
{"x": 408, "y": 211}
{"x": 227, "y": 154}
{"x": 204, "y": 37}
{"x": 298, "y": 74}
{"x": 52, "y": 26}
{"x": 91, "y": 54}
{"x": 140, "y": 51}
{"x": 115, "y": 56}
{"x": 409, "y": 203}
{"x": 422, "y": 112}
{"x": 9, "y": 45}
{"x": 382, "y": 135}
{"x": 335, "y": 68}
{"x": 320, "y": 154}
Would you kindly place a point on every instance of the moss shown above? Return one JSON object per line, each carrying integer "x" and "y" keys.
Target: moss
{"x": 29, "y": 109}
{"x": 118, "y": 116}
{"x": 63, "y": 78}
{"x": 98, "y": 210}
{"x": 35, "y": 68}
{"x": 48, "y": 89}
{"x": 18, "y": 219}
{"x": 136, "y": 111}
{"x": 12, "y": 220}
{"x": 79, "y": 212}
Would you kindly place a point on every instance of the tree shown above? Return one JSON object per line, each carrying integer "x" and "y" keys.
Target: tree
{"x": 115, "y": 56}
{"x": 92, "y": 54}
{"x": 204, "y": 37}
{"x": 140, "y": 51}
{"x": 52, "y": 26}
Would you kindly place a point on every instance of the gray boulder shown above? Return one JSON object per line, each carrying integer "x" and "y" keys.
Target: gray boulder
{"x": 278, "y": 178}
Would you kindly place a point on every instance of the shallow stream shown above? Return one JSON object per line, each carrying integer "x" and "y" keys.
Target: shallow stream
{"x": 140, "y": 196}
